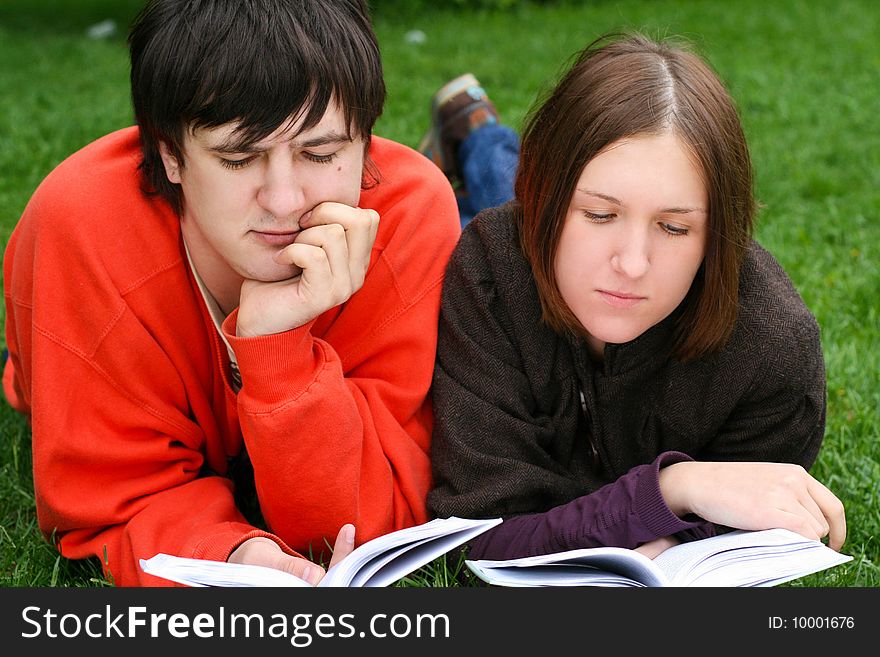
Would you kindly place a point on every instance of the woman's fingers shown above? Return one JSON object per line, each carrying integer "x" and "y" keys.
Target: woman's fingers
{"x": 832, "y": 510}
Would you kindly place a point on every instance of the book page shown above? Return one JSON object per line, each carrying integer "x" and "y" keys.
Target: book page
{"x": 746, "y": 558}
{"x": 379, "y": 562}
{"x": 602, "y": 566}
{"x": 388, "y": 558}
{"x": 203, "y": 572}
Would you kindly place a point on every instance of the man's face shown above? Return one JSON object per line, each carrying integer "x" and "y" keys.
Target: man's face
{"x": 243, "y": 205}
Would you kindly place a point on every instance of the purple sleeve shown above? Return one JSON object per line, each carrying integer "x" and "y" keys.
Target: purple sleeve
{"x": 624, "y": 513}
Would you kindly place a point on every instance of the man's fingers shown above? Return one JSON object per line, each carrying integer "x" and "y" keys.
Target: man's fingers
{"x": 311, "y": 260}
{"x": 305, "y": 570}
{"x": 374, "y": 226}
{"x": 343, "y": 546}
{"x": 338, "y": 213}
{"x": 323, "y": 257}
{"x": 361, "y": 226}
{"x": 331, "y": 239}
{"x": 261, "y": 551}
{"x": 360, "y": 245}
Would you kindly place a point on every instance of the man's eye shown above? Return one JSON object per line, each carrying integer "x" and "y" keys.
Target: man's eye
{"x": 236, "y": 164}
{"x": 320, "y": 159}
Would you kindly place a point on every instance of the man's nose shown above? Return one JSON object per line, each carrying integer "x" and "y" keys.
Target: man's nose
{"x": 281, "y": 192}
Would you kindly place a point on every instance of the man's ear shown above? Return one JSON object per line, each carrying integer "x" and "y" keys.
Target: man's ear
{"x": 171, "y": 163}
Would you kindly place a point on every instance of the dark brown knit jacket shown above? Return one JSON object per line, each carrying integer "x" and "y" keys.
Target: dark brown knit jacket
{"x": 510, "y": 435}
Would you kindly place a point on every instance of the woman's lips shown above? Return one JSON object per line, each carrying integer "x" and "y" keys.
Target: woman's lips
{"x": 619, "y": 299}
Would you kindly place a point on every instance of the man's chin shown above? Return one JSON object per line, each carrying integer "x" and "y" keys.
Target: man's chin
{"x": 287, "y": 274}
{"x": 276, "y": 275}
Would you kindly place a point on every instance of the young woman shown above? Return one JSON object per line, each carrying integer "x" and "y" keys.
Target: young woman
{"x": 619, "y": 363}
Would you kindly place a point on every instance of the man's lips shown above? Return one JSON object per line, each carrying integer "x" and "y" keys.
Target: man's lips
{"x": 620, "y": 299}
{"x": 276, "y": 239}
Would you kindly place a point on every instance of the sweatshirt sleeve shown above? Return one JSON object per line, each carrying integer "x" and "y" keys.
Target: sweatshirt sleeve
{"x": 336, "y": 414}
{"x": 625, "y": 513}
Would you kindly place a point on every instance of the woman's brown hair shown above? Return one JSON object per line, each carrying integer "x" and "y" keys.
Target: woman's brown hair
{"x": 622, "y": 86}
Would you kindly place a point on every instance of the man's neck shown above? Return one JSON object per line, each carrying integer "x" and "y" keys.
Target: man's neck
{"x": 219, "y": 281}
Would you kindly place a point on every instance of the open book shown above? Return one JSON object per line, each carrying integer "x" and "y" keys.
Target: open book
{"x": 379, "y": 562}
{"x": 738, "y": 558}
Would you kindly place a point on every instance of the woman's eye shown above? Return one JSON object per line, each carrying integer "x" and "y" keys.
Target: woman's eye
{"x": 673, "y": 230}
{"x": 599, "y": 217}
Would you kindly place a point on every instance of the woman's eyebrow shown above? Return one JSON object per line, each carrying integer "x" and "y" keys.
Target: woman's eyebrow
{"x": 611, "y": 199}
{"x": 605, "y": 197}
{"x": 681, "y": 210}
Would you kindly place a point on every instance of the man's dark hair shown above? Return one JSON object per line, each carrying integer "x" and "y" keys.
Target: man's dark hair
{"x": 258, "y": 63}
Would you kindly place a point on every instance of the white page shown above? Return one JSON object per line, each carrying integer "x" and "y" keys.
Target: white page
{"x": 739, "y": 558}
{"x": 749, "y": 561}
{"x": 388, "y": 568}
{"x": 388, "y": 558}
{"x": 618, "y": 565}
{"x": 678, "y": 561}
{"x": 770, "y": 570}
{"x": 550, "y": 575}
{"x": 203, "y": 572}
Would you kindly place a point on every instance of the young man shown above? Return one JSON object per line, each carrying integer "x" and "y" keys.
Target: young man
{"x": 244, "y": 281}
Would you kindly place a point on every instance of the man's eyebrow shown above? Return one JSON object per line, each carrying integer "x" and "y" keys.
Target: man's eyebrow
{"x": 611, "y": 199}
{"x": 231, "y": 147}
{"x": 331, "y": 137}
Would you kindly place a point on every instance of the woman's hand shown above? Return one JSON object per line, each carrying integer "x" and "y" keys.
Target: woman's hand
{"x": 753, "y": 496}
{"x": 654, "y": 548}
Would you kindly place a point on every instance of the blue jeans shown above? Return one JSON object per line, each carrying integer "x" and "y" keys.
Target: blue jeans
{"x": 488, "y": 157}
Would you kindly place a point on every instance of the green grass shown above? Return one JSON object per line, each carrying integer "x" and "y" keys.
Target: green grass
{"x": 804, "y": 74}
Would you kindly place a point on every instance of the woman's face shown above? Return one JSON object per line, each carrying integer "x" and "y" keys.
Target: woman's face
{"x": 633, "y": 238}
